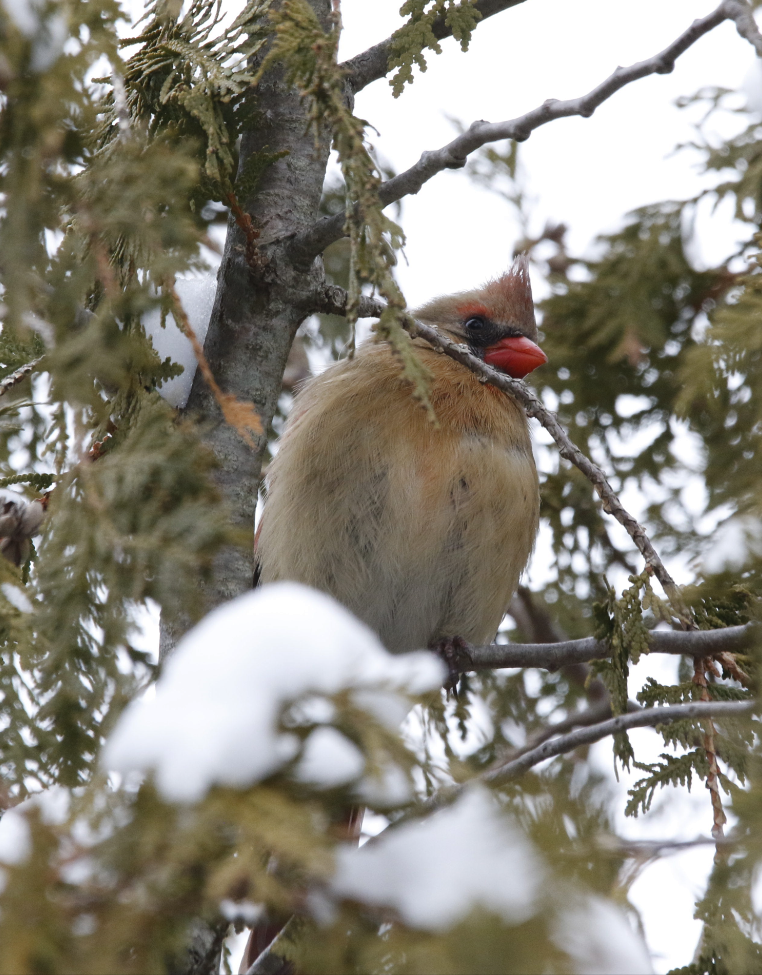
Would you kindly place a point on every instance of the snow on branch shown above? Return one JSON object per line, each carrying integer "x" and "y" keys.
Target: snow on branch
{"x": 216, "y": 716}
{"x": 455, "y": 154}
{"x": 373, "y": 64}
{"x": 429, "y": 876}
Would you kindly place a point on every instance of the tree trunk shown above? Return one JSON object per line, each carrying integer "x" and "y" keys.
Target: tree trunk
{"x": 258, "y": 307}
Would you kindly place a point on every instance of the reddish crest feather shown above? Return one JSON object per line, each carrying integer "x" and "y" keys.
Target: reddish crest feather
{"x": 509, "y": 297}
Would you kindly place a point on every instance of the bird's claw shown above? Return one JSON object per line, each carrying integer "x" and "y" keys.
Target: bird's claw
{"x": 455, "y": 653}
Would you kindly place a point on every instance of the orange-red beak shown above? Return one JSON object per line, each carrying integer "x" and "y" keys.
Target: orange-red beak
{"x": 517, "y": 356}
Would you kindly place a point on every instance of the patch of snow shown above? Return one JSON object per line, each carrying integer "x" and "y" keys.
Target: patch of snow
{"x": 312, "y": 710}
{"x": 197, "y": 298}
{"x": 329, "y": 759}
{"x": 16, "y": 597}
{"x": 215, "y": 716}
{"x": 387, "y": 708}
{"x": 434, "y": 873}
{"x": 599, "y": 940}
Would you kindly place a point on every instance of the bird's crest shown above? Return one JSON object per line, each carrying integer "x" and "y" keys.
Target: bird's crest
{"x": 508, "y": 299}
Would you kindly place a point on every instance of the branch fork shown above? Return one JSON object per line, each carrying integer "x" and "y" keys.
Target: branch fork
{"x": 480, "y": 133}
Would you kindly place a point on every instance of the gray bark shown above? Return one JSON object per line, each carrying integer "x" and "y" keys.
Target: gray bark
{"x": 257, "y": 311}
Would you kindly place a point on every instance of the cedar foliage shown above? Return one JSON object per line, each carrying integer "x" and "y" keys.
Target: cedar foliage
{"x": 106, "y": 189}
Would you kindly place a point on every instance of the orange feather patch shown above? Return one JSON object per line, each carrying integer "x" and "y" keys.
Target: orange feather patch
{"x": 473, "y": 308}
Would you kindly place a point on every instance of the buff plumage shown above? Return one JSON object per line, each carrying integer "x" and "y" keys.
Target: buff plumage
{"x": 421, "y": 530}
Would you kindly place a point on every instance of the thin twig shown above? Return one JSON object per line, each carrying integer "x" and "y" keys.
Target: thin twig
{"x": 647, "y": 718}
{"x": 332, "y": 300}
{"x": 741, "y": 12}
{"x": 700, "y": 667}
{"x": 512, "y": 769}
{"x": 580, "y": 719}
{"x": 455, "y": 154}
{"x": 14, "y": 378}
{"x": 652, "y": 848}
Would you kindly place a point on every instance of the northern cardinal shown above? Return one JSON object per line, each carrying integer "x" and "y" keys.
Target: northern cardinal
{"x": 420, "y": 529}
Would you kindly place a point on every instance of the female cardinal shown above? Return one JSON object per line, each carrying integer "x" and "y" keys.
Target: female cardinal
{"x": 420, "y": 529}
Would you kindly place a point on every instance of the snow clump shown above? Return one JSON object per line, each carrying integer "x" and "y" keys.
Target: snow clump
{"x": 433, "y": 873}
{"x": 215, "y": 716}
{"x": 197, "y": 298}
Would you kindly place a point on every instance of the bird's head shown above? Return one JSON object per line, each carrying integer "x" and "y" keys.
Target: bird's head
{"x": 495, "y": 321}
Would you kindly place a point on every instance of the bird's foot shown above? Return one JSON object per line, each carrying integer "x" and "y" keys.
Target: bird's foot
{"x": 454, "y": 651}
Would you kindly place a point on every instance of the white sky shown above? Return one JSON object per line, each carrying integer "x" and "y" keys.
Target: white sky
{"x": 587, "y": 173}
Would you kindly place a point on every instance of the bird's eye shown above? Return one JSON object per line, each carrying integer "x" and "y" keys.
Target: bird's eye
{"x": 474, "y": 324}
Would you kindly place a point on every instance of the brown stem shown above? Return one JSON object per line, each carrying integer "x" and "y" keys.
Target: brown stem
{"x": 700, "y": 668}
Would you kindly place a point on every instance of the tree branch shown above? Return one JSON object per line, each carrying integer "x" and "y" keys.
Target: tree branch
{"x": 647, "y": 849}
{"x": 553, "y": 656}
{"x": 579, "y": 719}
{"x": 14, "y": 378}
{"x": 373, "y": 64}
{"x": 646, "y": 718}
{"x": 746, "y": 25}
{"x": 330, "y": 299}
{"x": 455, "y": 153}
